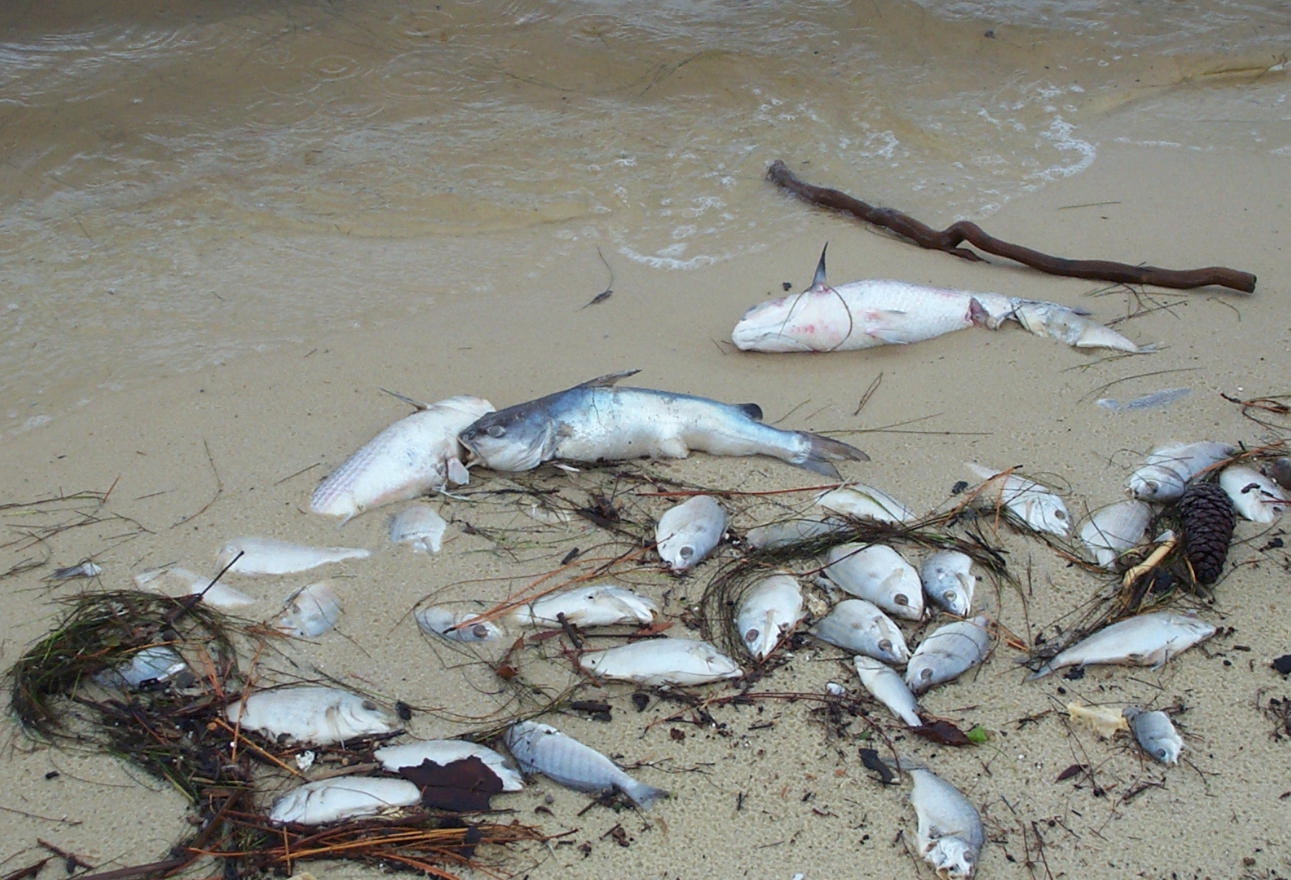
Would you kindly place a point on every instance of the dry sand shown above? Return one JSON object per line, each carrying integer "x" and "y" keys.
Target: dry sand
{"x": 771, "y": 791}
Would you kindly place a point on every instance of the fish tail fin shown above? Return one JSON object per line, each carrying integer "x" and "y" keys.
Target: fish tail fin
{"x": 903, "y": 763}
{"x": 645, "y": 795}
{"x": 822, "y": 451}
{"x": 1040, "y": 673}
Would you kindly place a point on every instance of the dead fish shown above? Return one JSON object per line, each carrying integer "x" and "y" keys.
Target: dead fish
{"x": 271, "y": 556}
{"x": 950, "y": 834}
{"x": 1031, "y": 502}
{"x": 1147, "y": 401}
{"x": 156, "y": 663}
{"x": 1103, "y": 720}
{"x": 770, "y": 609}
{"x": 661, "y": 661}
{"x": 599, "y": 605}
{"x": 85, "y": 569}
{"x": 444, "y": 752}
{"x": 947, "y": 577}
{"x": 947, "y": 653}
{"x": 311, "y": 611}
{"x": 595, "y": 421}
{"x": 310, "y": 714}
{"x": 1068, "y": 325}
{"x": 345, "y": 797}
{"x": 775, "y": 535}
{"x": 541, "y": 748}
{"x": 179, "y": 582}
{"x": 1156, "y": 734}
{"x": 1167, "y": 470}
{"x": 415, "y": 455}
{"x": 1255, "y": 497}
{"x": 858, "y": 625}
{"x": 421, "y": 526}
{"x": 889, "y": 688}
{"x": 1113, "y": 529}
{"x": 878, "y": 574}
{"x": 689, "y": 531}
{"x": 865, "y": 502}
{"x": 1145, "y": 640}
{"x": 456, "y": 626}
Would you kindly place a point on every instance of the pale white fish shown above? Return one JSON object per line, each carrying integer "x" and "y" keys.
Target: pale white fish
{"x": 541, "y": 748}
{"x": 1255, "y": 497}
{"x": 417, "y": 454}
{"x": 1167, "y": 470}
{"x": 1031, "y": 502}
{"x": 862, "y": 314}
{"x": 595, "y": 421}
{"x": 878, "y": 574}
{"x": 1147, "y": 401}
{"x": 182, "y": 582}
{"x": 84, "y": 569}
{"x": 1113, "y": 529}
{"x": 419, "y": 525}
{"x": 889, "y": 688}
{"x": 865, "y": 502}
{"x": 661, "y": 662}
{"x": 948, "y": 580}
{"x": 858, "y": 625}
{"x": 598, "y": 605}
{"x": 688, "y": 532}
{"x": 271, "y": 556}
{"x": 770, "y": 609}
{"x": 947, "y": 653}
{"x": 457, "y": 626}
{"x": 444, "y": 752}
{"x": 343, "y": 797}
{"x": 1145, "y": 640}
{"x": 309, "y": 714}
{"x": 775, "y": 535}
{"x": 156, "y": 663}
{"x": 1156, "y": 734}
{"x": 1068, "y": 325}
{"x": 311, "y": 611}
{"x": 950, "y": 835}
{"x": 1103, "y": 720}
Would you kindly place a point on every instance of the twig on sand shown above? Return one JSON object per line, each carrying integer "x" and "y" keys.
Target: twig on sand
{"x": 950, "y": 239}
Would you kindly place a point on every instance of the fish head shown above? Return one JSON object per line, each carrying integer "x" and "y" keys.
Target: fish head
{"x": 952, "y": 858}
{"x": 815, "y": 320}
{"x": 518, "y": 438}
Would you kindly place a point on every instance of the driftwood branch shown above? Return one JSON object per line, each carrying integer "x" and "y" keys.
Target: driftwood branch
{"x": 950, "y": 239}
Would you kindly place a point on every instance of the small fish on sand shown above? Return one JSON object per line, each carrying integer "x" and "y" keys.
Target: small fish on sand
{"x": 689, "y": 531}
{"x": 889, "y": 688}
{"x": 860, "y": 626}
{"x": 179, "y": 582}
{"x": 345, "y": 797}
{"x": 661, "y": 662}
{"x": 309, "y": 714}
{"x": 1031, "y": 502}
{"x": 85, "y": 569}
{"x": 1155, "y": 400}
{"x": 948, "y": 652}
{"x": 596, "y": 421}
{"x": 770, "y": 609}
{"x": 456, "y": 626}
{"x": 444, "y": 752}
{"x": 1069, "y": 325}
{"x": 877, "y": 574}
{"x": 1113, "y": 529}
{"x": 541, "y": 748}
{"x": 1255, "y": 497}
{"x": 310, "y": 611}
{"x": 596, "y": 605}
{"x": 155, "y": 663}
{"x": 1167, "y": 470}
{"x": 1155, "y": 732}
{"x": 865, "y": 502}
{"x": 1103, "y": 720}
{"x": 419, "y": 525}
{"x": 1145, "y": 640}
{"x": 773, "y": 536}
{"x": 950, "y": 835}
{"x": 270, "y": 556}
{"x": 947, "y": 577}
{"x": 417, "y": 454}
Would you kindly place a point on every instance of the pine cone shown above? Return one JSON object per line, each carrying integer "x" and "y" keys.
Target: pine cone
{"x": 1208, "y": 517}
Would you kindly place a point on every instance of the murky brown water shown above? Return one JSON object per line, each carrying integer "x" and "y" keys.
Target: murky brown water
{"x": 184, "y": 185}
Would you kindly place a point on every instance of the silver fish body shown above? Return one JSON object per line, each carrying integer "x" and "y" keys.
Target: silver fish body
{"x": 1068, "y": 325}
{"x": 1167, "y": 470}
{"x": 769, "y": 610}
{"x": 182, "y": 582}
{"x": 345, "y": 797}
{"x": 950, "y": 835}
{"x": 417, "y": 454}
{"x": 444, "y": 752}
{"x": 271, "y": 556}
{"x": 310, "y": 714}
{"x": 419, "y": 525}
{"x": 1145, "y": 640}
{"x": 878, "y": 574}
{"x": 947, "y": 653}
{"x": 1113, "y": 529}
{"x": 156, "y": 663}
{"x": 310, "y": 611}
{"x": 860, "y": 626}
{"x": 1255, "y": 497}
{"x": 1031, "y": 502}
{"x": 595, "y": 421}
{"x": 773, "y": 536}
{"x": 865, "y": 502}
{"x": 598, "y": 605}
{"x": 889, "y": 688}
{"x": 689, "y": 531}
{"x": 661, "y": 662}
{"x": 456, "y": 626}
{"x": 1155, "y": 732}
{"x": 947, "y": 577}
{"x": 540, "y": 748}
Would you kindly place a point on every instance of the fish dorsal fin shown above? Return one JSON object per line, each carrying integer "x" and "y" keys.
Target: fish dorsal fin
{"x": 607, "y": 380}
{"x": 752, "y": 410}
{"x": 415, "y": 404}
{"x": 819, "y": 279}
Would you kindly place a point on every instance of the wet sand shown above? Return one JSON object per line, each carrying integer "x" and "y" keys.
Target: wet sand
{"x": 250, "y": 438}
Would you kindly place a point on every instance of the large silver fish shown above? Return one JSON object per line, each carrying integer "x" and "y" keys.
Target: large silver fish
{"x": 309, "y": 713}
{"x": 659, "y": 662}
{"x": 947, "y": 653}
{"x": 1145, "y": 640}
{"x": 540, "y": 748}
{"x": 349, "y": 797}
{"x": 595, "y": 421}
{"x": 950, "y": 835}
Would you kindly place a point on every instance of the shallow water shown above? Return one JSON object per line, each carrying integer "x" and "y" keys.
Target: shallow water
{"x": 188, "y": 184}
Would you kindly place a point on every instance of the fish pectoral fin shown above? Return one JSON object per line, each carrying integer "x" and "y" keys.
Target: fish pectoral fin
{"x": 457, "y": 472}
{"x": 752, "y": 410}
{"x": 607, "y": 380}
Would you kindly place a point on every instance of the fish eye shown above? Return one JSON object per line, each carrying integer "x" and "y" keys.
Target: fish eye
{"x": 901, "y": 599}
{"x": 369, "y": 705}
{"x": 480, "y": 631}
{"x": 751, "y": 635}
{"x": 1058, "y": 514}
{"x": 885, "y": 645}
{"x": 686, "y": 552}
{"x": 950, "y": 596}
{"x": 496, "y": 431}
